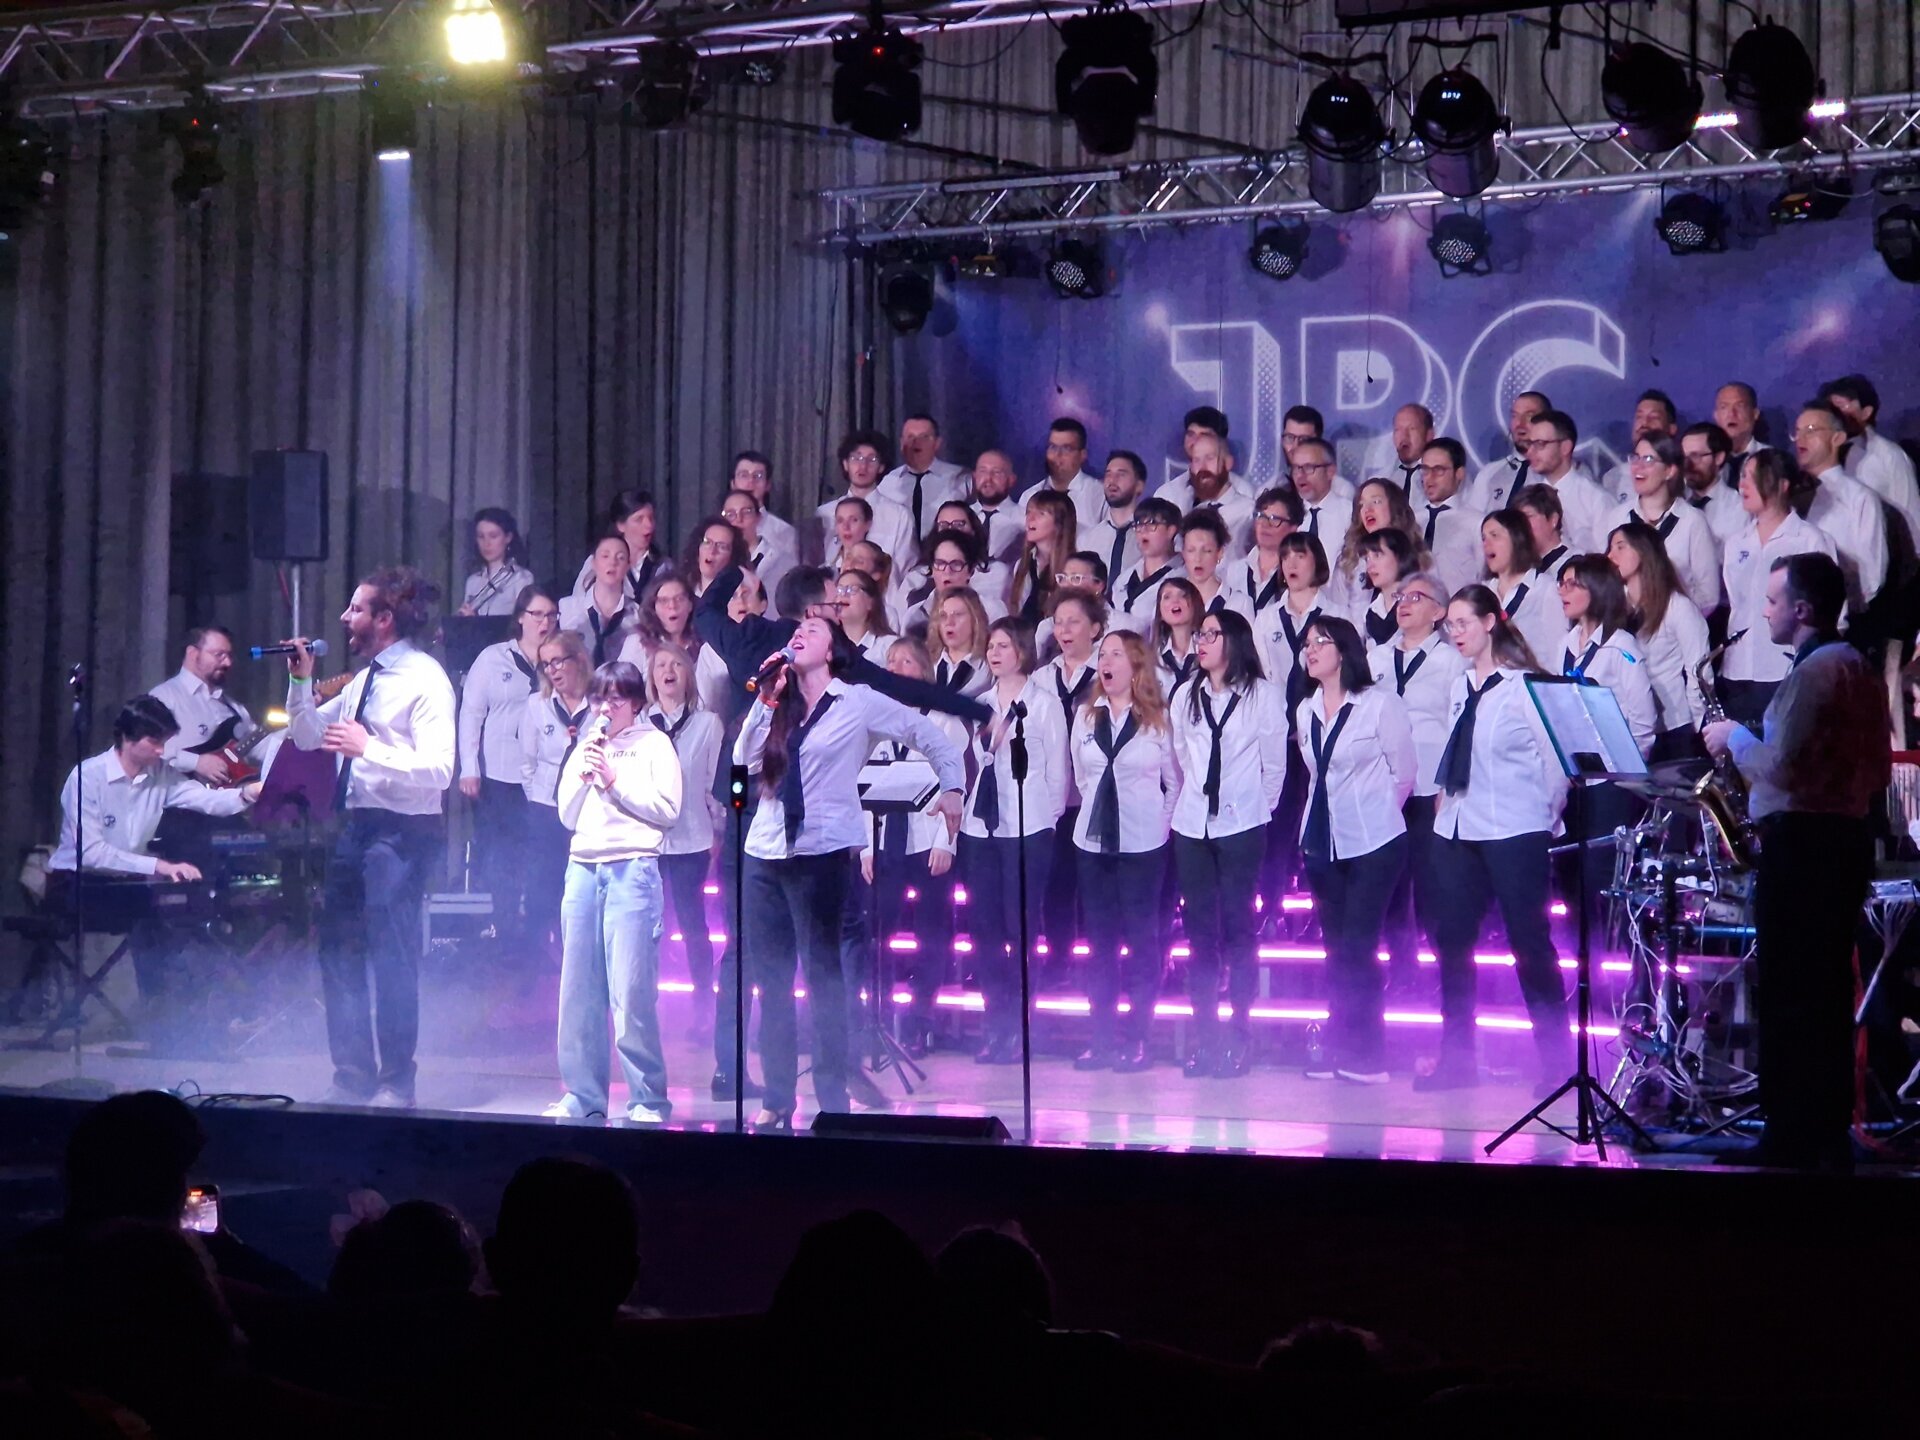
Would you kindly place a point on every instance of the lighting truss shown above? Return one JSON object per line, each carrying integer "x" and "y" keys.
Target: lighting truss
{"x": 1547, "y": 160}
{"x": 148, "y": 56}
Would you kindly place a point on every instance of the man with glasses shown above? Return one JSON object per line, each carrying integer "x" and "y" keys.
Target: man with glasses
{"x": 1500, "y": 480}
{"x": 198, "y": 699}
{"x": 753, "y": 473}
{"x": 922, "y": 482}
{"x": 1706, "y": 451}
{"x": 768, "y": 561}
{"x": 1847, "y": 510}
{"x": 1002, "y": 519}
{"x": 1550, "y": 443}
{"x": 1123, "y": 482}
{"x": 1066, "y": 453}
{"x": 1136, "y": 590}
{"x": 1449, "y": 524}
{"x": 889, "y": 526}
{"x": 1328, "y": 514}
{"x": 1303, "y": 422}
{"x": 1653, "y": 411}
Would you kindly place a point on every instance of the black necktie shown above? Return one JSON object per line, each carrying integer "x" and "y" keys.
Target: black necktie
{"x": 1549, "y": 560}
{"x": 793, "y": 795}
{"x": 1030, "y": 607}
{"x": 919, "y": 479}
{"x": 1578, "y": 669}
{"x": 359, "y": 718}
{"x": 1313, "y": 520}
{"x": 603, "y": 638}
{"x": 1407, "y": 474}
{"x": 1433, "y": 519}
{"x": 1116, "y": 555}
{"x": 1137, "y": 584}
{"x": 1070, "y": 698}
{"x": 1269, "y": 592}
{"x": 986, "y": 795}
{"x": 1103, "y": 825}
{"x": 1212, "y": 788}
{"x": 573, "y": 724}
{"x": 1698, "y": 502}
{"x": 1181, "y": 668}
{"x": 1381, "y": 628}
{"x": 1455, "y": 770}
{"x": 1510, "y": 607}
{"x": 1317, "y": 842}
{"x": 955, "y": 678}
{"x": 672, "y": 732}
{"x": 1403, "y": 672}
{"x": 525, "y": 667}
{"x": 1667, "y": 522}
{"x": 1297, "y": 673}
{"x": 894, "y": 828}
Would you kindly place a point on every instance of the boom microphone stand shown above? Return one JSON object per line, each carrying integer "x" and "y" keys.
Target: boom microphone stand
{"x": 77, "y": 688}
{"x": 1018, "y": 760}
{"x": 737, "y": 780}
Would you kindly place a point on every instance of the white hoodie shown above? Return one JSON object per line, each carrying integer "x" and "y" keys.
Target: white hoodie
{"x": 628, "y": 819}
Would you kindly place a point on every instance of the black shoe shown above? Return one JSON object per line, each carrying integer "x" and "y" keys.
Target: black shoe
{"x": 916, "y": 1038}
{"x": 1199, "y": 1063}
{"x": 1093, "y": 1058}
{"x": 1449, "y": 1075}
{"x": 722, "y": 1087}
{"x": 1235, "y": 1061}
{"x": 864, "y": 1090}
{"x": 1132, "y": 1059}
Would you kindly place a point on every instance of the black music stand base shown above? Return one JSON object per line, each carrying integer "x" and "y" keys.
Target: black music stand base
{"x": 884, "y": 1051}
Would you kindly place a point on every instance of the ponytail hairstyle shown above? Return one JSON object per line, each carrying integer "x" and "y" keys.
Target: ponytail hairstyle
{"x": 1509, "y": 646}
{"x": 1243, "y": 659}
{"x": 786, "y": 715}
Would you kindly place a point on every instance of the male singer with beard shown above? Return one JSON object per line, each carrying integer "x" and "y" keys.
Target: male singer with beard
{"x": 1498, "y": 481}
{"x": 393, "y": 729}
{"x": 1002, "y": 519}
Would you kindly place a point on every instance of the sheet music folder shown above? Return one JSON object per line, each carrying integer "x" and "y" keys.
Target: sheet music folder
{"x": 897, "y": 786}
{"x": 1590, "y": 734}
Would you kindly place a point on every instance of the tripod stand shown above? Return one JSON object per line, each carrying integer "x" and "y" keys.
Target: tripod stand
{"x": 884, "y": 1052}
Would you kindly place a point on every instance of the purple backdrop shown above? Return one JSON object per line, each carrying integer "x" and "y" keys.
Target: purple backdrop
{"x": 1585, "y": 303}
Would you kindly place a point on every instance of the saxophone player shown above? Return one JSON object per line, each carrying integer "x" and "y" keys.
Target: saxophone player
{"x": 1823, "y": 755}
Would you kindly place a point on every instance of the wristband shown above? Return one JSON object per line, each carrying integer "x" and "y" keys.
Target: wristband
{"x": 300, "y": 679}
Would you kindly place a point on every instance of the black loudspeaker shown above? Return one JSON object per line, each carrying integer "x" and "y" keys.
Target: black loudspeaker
{"x": 208, "y": 551}
{"x": 287, "y": 505}
{"x": 961, "y": 1129}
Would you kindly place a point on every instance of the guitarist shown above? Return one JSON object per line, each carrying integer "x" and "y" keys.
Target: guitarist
{"x": 200, "y": 704}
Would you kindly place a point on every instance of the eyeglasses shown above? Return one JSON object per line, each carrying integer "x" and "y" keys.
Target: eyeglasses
{"x": 1274, "y": 517}
{"x": 737, "y": 514}
{"x": 1640, "y": 462}
{"x": 1077, "y": 578}
{"x": 1153, "y": 525}
{"x": 1412, "y": 597}
{"x": 1569, "y": 582}
{"x": 949, "y": 567}
{"x": 726, "y": 544}
{"x": 1543, "y": 444}
{"x": 847, "y": 592}
{"x": 1799, "y": 430}
{"x": 863, "y": 459}
{"x": 536, "y": 614}
{"x": 1309, "y": 467}
{"x": 555, "y": 663}
{"x": 1214, "y": 634}
{"x": 1316, "y": 642}
{"x": 1458, "y": 627}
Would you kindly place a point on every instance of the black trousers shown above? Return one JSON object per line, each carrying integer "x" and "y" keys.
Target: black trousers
{"x": 796, "y": 906}
{"x": 1351, "y": 897}
{"x": 500, "y": 852}
{"x": 991, "y": 868}
{"x": 1217, "y": 882}
{"x": 1283, "y": 832}
{"x": 726, "y": 989}
{"x": 1811, "y": 882}
{"x": 1061, "y": 909}
{"x": 685, "y": 878}
{"x": 546, "y": 874}
{"x": 370, "y": 945}
{"x": 1128, "y": 914}
{"x": 1410, "y": 907}
{"x": 1513, "y": 871}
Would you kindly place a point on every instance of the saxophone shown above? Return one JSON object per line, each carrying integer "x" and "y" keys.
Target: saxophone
{"x": 1722, "y": 792}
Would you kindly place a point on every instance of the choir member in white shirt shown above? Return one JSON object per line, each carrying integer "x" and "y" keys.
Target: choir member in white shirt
{"x": 1711, "y": 490}
{"x": 1754, "y": 665}
{"x": 1205, "y": 545}
{"x": 605, "y": 613}
{"x": 1378, "y": 505}
{"x": 1209, "y": 484}
{"x": 887, "y": 524}
{"x": 1276, "y": 515}
{"x": 1357, "y": 741}
{"x": 1499, "y": 480}
{"x": 1156, "y": 524}
{"x": 1658, "y": 465}
{"x": 1847, "y": 510}
{"x": 1420, "y": 666}
{"x": 1550, "y": 458}
{"x": 497, "y": 580}
{"x": 394, "y": 730}
{"x": 1398, "y": 459}
{"x": 1003, "y": 519}
{"x": 1527, "y": 598}
{"x": 991, "y": 830}
{"x": 630, "y": 515}
{"x": 1736, "y": 410}
{"x": 922, "y": 482}
{"x": 1672, "y": 634}
{"x": 665, "y": 617}
{"x": 1052, "y": 528}
{"x": 1203, "y": 422}
{"x": 1446, "y": 520}
{"x": 1128, "y": 776}
{"x": 686, "y": 851}
{"x": 869, "y": 559}
{"x": 1123, "y": 484}
{"x": 753, "y": 473}
{"x": 1328, "y": 512}
{"x": 958, "y": 636}
{"x": 553, "y": 722}
{"x": 493, "y": 698}
{"x": 713, "y": 548}
{"x": 863, "y": 614}
{"x": 1387, "y": 556}
{"x": 1501, "y": 793}
{"x": 767, "y": 557}
{"x": 809, "y": 736}
{"x": 1177, "y": 616}
{"x": 1653, "y": 414}
{"x": 1083, "y": 572}
{"x": 953, "y": 564}
{"x": 621, "y": 794}
{"x": 1541, "y": 505}
{"x": 1066, "y": 454}
{"x": 1079, "y": 620}
{"x": 1230, "y": 735}
{"x": 201, "y": 707}
{"x": 1875, "y": 461}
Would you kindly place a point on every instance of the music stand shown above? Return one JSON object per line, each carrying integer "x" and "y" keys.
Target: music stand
{"x": 889, "y": 787}
{"x": 1593, "y": 743}
{"x": 465, "y": 636}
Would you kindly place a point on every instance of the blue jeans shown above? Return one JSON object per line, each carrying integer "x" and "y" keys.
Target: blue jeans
{"x": 610, "y": 960}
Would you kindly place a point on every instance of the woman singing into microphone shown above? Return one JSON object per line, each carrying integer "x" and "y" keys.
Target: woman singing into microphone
{"x": 1230, "y": 735}
{"x": 808, "y": 736}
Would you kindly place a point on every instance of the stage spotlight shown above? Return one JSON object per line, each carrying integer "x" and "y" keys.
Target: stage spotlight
{"x": 1076, "y": 270}
{"x": 1650, "y": 94}
{"x": 1455, "y": 119}
{"x": 1341, "y": 131}
{"x": 906, "y": 295}
{"x": 1280, "y": 250}
{"x": 672, "y": 86}
{"x": 391, "y": 124}
{"x": 196, "y": 130}
{"x": 27, "y": 177}
{"x": 1811, "y": 197}
{"x": 1461, "y": 245}
{"x": 1770, "y": 84}
{"x": 1106, "y": 78}
{"x": 1692, "y": 224}
{"x": 875, "y": 92}
{"x": 1896, "y": 235}
{"x": 475, "y": 33}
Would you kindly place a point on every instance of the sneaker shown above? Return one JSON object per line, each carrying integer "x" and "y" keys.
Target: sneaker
{"x": 646, "y": 1115}
{"x": 562, "y": 1110}
{"x": 1321, "y": 1070}
{"x": 391, "y": 1097}
{"x": 339, "y": 1095}
{"x": 1363, "y": 1077}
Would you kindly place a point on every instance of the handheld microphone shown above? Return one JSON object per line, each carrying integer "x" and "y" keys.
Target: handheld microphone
{"x": 596, "y": 730}
{"x": 315, "y": 648}
{"x": 772, "y": 668}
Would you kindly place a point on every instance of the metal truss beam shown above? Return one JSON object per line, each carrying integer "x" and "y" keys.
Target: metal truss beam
{"x": 1549, "y": 160}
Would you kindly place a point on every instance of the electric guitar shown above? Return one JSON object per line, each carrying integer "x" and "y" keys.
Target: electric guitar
{"x": 221, "y": 741}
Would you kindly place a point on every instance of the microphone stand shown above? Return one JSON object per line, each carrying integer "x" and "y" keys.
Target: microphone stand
{"x": 77, "y": 687}
{"x": 737, "y": 781}
{"x": 1017, "y": 757}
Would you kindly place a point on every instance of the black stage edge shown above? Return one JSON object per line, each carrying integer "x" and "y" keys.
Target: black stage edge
{"x": 1763, "y": 1288}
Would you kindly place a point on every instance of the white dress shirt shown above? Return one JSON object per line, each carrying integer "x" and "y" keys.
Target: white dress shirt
{"x": 199, "y": 710}
{"x": 1236, "y": 510}
{"x": 771, "y": 559}
{"x": 492, "y": 697}
{"x": 496, "y": 592}
{"x": 1253, "y": 757}
{"x": 924, "y": 832}
{"x": 1101, "y": 540}
{"x": 1046, "y": 732}
{"x": 1457, "y": 556}
{"x": 1174, "y": 669}
{"x": 1244, "y": 575}
{"x": 410, "y": 725}
{"x": 941, "y": 481}
{"x": 547, "y": 733}
{"x": 1424, "y": 683}
{"x": 1537, "y": 615}
{"x": 579, "y": 614}
{"x": 1671, "y": 653}
{"x": 1050, "y": 679}
{"x": 1719, "y": 505}
{"x": 1146, "y": 774}
{"x": 1516, "y": 786}
{"x": 891, "y": 531}
{"x": 711, "y": 679}
{"x": 1886, "y": 469}
{"x": 1279, "y": 651}
{"x": 947, "y": 670}
{"x": 917, "y": 618}
{"x": 1754, "y": 656}
{"x": 1850, "y": 513}
{"x": 1496, "y": 483}
{"x": 830, "y": 760}
{"x": 698, "y": 747}
{"x": 1827, "y": 742}
{"x": 1379, "y": 611}
{"x": 1006, "y": 527}
{"x": 1614, "y": 660}
{"x": 121, "y": 812}
{"x": 1689, "y": 545}
{"x": 1585, "y": 508}
{"x": 1370, "y": 769}
{"x": 778, "y": 535}
{"x": 1618, "y": 483}
{"x": 1327, "y": 520}
{"x": 1145, "y": 592}
{"x": 876, "y": 647}
{"x": 629, "y": 819}
{"x": 1088, "y": 495}
{"x": 639, "y": 576}
{"x": 1226, "y": 596}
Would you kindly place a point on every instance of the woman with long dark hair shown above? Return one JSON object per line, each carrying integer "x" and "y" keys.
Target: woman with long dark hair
{"x": 1378, "y": 504}
{"x": 631, "y": 515}
{"x": 809, "y": 735}
{"x": 1051, "y": 532}
{"x": 1501, "y": 794}
{"x": 863, "y": 614}
{"x": 1658, "y": 467}
{"x": 1385, "y": 556}
{"x": 1527, "y": 598}
{"x": 1673, "y": 640}
{"x": 500, "y": 564}
{"x": 686, "y": 853}
{"x": 1357, "y": 742}
{"x": 1176, "y": 613}
{"x": 713, "y": 548}
{"x": 1230, "y": 736}
{"x": 1600, "y": 649}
